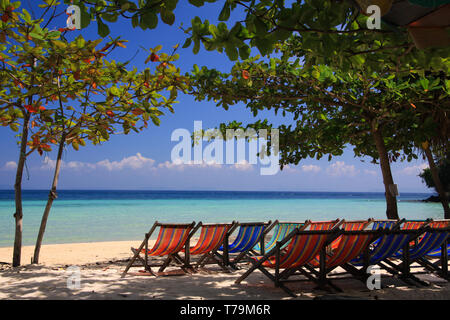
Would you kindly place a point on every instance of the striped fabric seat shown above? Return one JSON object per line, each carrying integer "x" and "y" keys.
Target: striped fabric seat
{"x": 211, "y": 236}
{"x": 431, "y": 241}
{"x": 170, "y": 240}
{"x": 335, "y": 246}
{"x": 350, "y": 246}
{"x": 320, "y": 225}
{"x": 301, "y": 249}
{"x": 437, "y": 253}
{"x": 282, "y": 229}
{"x": 248, "y": 236}
{"x": 383, "y": 224}
{"x": 414, "y": 225}
{"x": 384, "y": 247}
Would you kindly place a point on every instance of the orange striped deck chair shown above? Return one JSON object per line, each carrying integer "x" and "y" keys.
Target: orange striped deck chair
{"x": 211, "y": 237}
{"x": 350, "y": 245}
{"x": 171, "y": 240}
{"x": 303, "y": 247}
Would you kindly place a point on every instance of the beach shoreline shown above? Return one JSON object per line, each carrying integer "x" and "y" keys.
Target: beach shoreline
{"x": 101, "y": 263}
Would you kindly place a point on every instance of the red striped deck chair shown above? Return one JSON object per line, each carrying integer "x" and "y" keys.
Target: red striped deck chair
{"x": 356, "y": 225}
{"x": 303, "y": 246}
{"x": 413, "y": 225}
{"x": 211, "y": 237}
{"x": 350, "y": 245}
{"x": 171, "y": 240}
{"x": 320, "y": 225}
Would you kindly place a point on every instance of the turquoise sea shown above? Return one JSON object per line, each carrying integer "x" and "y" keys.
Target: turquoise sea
{"x": 89, "y": 216}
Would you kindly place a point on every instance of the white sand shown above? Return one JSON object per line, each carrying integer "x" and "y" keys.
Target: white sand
{"x": 100, "y": 279}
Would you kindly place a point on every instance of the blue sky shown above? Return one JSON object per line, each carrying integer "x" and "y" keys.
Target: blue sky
{"x": 142, "y": 161}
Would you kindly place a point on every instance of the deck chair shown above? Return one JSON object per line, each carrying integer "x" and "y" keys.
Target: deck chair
{"x": 321, "y": 225}
{"x": 171, "y": 240}
{"x": 434, "y": 237}
{"x": 281, "y": 230}
{"x": 348, "y": 245}
{"x": 211, "y": 237}
{"x": 388, "y": 224}
{"x": 303, "y": 246}
{"x": 356, "y": 225}
{"x": 441, "y": 253}
{"x": 249, "y": 234}
{"x": 386, "y": 243}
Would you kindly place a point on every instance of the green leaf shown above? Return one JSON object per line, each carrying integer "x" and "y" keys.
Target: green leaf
{"x": 187, "y": 43}
{"x": 225, "y": 13}
{"x": 244, "y": 52}
{"x": 231, "y": 52}
{"x": 167, "y": 17}
{"x": 102, "y": 28}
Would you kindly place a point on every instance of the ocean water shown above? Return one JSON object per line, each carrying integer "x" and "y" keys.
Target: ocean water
{"x": 89, "y": 216}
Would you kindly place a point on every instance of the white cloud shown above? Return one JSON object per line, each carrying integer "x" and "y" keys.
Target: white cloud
{"x": 414, "y": 170}
{"x": 243, "y": 165}
{"x": 310, "y": 168}
{"x": 133, "y": 162}
{"x": 50, "y": 164}
{"x": 10, "y": 165}
{"x": 339, "y": 168}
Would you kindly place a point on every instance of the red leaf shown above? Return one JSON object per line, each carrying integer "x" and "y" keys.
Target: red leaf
{"x": 154, "y": 57}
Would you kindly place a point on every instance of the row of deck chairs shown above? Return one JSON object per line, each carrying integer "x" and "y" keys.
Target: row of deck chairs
{"x": 312, "y": 249}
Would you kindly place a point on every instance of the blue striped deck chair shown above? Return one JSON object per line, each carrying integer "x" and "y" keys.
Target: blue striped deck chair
{"x": 435, "y": 237}
{"x": 281, "y": 230}
{"x": 389, "y": 224}
{"x": 250, "y": 233}
{"x": 438, "y": 252}
{"x": 386, "y": 244}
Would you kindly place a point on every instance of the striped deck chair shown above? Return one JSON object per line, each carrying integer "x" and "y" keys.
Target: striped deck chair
{"x": 321, "y": 225}
{"x": 387, "y": 243}
{"x": 438, "y": 252}
{"x": 302, "y": 247}
{"x": 249, "y": 234}
{"x": 435, "y": 237}
{"x": 350, "y": 244}
{"x": 411, "y": 225}
{"x": 211, "y": 238}
{"x": 389, "y": 224}
{"x": 171, "y": 240}
{"x": 281, "y": 230}
{"x": 357, "y": 225}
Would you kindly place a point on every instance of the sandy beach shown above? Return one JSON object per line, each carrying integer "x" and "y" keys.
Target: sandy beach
{"x": 101, "y": 263}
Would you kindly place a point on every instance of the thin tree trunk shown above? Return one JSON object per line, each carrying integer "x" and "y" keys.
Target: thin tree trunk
{"x": 437, "y": 182}
{"x": 391, "y": 201}
{"x": 17, "y": 252}
{"x": 51, "y": 197}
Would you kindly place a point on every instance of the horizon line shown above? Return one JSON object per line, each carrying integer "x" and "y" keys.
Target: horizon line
{"x": 202, "y": 190}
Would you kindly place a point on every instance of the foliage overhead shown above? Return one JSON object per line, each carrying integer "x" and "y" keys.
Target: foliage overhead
{"x": 72, "y": 88}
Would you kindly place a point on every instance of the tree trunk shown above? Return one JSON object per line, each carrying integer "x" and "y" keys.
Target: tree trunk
{"x": 18, "y": 193}
{"x": 391, "y": 201}
{"x": 51, "y": 197}
{"x": 437, "y": 182}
